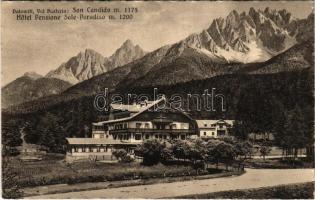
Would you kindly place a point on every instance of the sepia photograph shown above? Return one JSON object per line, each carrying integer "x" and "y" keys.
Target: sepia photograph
{"x": 157, "y": 100}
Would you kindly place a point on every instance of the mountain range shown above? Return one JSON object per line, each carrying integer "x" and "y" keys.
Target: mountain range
{"x": 29, "y": 87}
{"x": 225, "y": 47}
{"x": 90, "y": 63}
{"x": 85, "y": 65}
{"x": 257, "y": 42}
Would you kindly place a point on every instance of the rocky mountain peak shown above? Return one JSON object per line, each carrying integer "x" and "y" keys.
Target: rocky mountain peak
{"x": 248, "y": 37}
{"x": 233, "y": 19}
{"x": 253, "y": 36}
{"x": 33, "y": 75}
{"x": 126, "y": 53}
{"x": 90, "y": 52}
{"x": 89, "y": 63}
{"x": 127, "y": 43}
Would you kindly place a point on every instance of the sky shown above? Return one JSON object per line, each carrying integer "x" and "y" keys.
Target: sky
{"x": 41, "y": 46}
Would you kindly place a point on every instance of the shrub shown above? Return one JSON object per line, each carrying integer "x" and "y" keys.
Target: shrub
{"x": 123, "y": 156}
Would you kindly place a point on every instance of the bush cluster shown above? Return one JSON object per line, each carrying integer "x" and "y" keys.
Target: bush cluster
{"x": 225, "y": 150}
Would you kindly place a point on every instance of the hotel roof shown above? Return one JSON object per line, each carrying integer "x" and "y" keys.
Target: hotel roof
{"x": 141, "y": 110}
{"x": 130, "y": 107}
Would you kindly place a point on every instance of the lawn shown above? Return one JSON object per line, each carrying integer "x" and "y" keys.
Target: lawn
{"x": 54, "y": 170}
{"x": 278, "y": 163}
{"x": 291, "y": 191}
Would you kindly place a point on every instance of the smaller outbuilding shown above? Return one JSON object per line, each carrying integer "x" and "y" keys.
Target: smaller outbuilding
{"x": 214, "y": 128}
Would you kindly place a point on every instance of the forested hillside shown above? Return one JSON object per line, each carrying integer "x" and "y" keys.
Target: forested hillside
{"x": 251, "y": 98}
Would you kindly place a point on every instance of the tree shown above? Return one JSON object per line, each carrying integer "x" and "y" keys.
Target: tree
{"x": 239, "y": 130}
{"x": 11, "y": 136}
{"x": 243, "y": 150}
{"x": 181, "y": 149}
{"x": 280, "y": 119}
{"x": 51, "y": 132}
{"x": 225, "y": 152}
{"x": 31, "y": 134}
{"x": 293, "y": 130}
{"x": 228, "y": 139}
{"x": 10, "y": 187}
{"x": 150, "y": 150}
{"x": 197, "y": 150}
{"x": 264, "y": 151}
{"x": 298, "y": 130}
{"x": 220, "y": 151}
{"x": 167, "y": 154}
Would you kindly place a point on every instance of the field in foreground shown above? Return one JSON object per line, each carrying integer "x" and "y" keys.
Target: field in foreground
{"x": 291, "y": 191}
{"x": 54, "y": 170}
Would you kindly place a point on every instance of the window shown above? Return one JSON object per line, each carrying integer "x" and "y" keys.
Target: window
{"x": 205, "y": 125}
{"x": 221, "y": 132}
{"x": 147, "y": 136}
{"x": 212, "y": 133}
{"x": 161, "y": 126}
{"x": 182, "y": 137}
{"x": 106, "y": 136}
{"x": 212, "y": 125}
{"x": 146, "y": 125}
{"x": 138, "y": 125}
{"x": 204, "y": 133}
{"x": 173, "y": 126}
{"x": 221, "y": 126}
{"x": 138, "y": 137}
{"x": 156, "y": 136}
{"x": 164, "y": 137}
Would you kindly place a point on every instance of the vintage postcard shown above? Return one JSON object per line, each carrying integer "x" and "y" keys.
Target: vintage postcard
{"x": 171, "y": 100}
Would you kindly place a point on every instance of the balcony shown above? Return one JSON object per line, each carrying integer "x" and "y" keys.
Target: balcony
{"x": 147, "y": 130}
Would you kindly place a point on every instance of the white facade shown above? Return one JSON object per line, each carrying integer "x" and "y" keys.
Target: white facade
{"x": 214, "y": 128}
{"x": 138, "y": 136}
{"x": 129, "y": 125}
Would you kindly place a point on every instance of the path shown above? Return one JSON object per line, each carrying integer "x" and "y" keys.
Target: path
{"x": 253, "y": 178}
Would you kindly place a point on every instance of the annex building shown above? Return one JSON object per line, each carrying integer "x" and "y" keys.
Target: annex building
{"x": 214, "y": 128}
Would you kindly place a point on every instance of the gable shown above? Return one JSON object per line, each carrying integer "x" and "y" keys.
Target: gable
{"x": 156, "y": 107}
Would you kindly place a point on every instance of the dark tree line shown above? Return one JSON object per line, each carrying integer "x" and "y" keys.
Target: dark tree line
{"x": 260, "y": 103}
{"x": 50, "y": 127}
